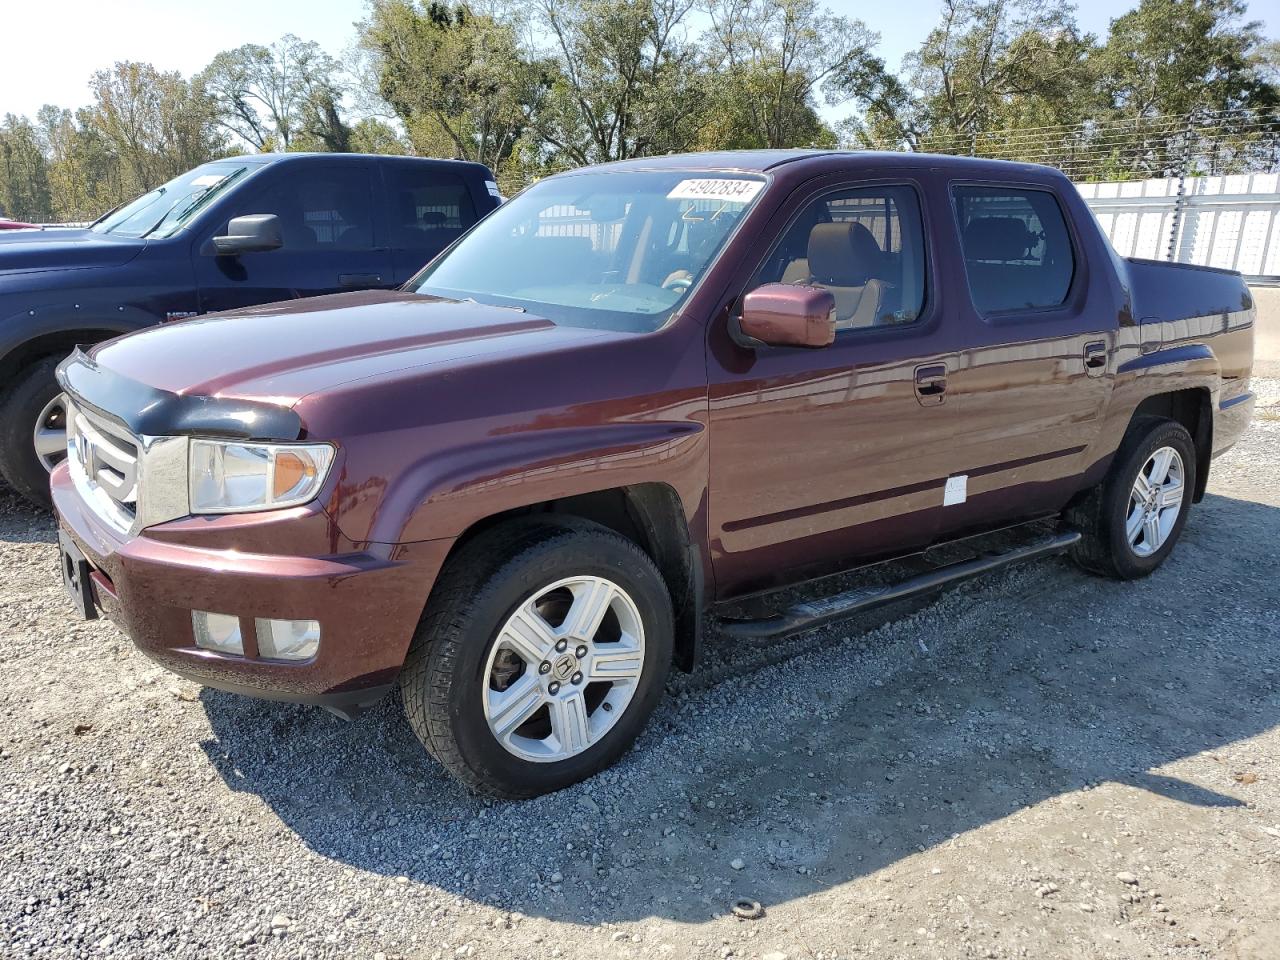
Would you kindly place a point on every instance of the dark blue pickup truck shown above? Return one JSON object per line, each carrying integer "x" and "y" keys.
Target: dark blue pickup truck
{"x": 231, "y": 233}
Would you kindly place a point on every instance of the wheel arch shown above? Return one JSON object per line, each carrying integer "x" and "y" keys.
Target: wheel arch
{"x": 58, "y": 341}
{"x": 652, "y": 516}
{"x": 1193, "y": 408}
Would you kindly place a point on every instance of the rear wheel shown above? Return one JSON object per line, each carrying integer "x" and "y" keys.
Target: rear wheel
{"x": 33, "y": 430}
{"x": 543, "y": 651}
{"x": 1131, "y": 521}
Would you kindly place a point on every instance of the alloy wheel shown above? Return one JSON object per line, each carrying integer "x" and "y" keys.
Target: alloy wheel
{"x": 563, "y": 669}
{"x": 1155, "y": 501}
{"x": 50, "y": 434}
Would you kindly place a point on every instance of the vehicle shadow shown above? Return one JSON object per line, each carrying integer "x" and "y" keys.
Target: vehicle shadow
{"x": 1036, "y": 682}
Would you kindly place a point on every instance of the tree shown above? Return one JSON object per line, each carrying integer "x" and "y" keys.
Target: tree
{"x": 322, "y": 128}
{"x": 271, "y": 96}
{"x": 24, "y": 180}
{"x": 155, "y": 125}
{"x": 372, "y": 135}
{"x": 1184, "y": 57}
{"x": 626, "y": 81}
{"x": 456, "y": 79}
{"x": 83, "y": 173}
{"x": 772, "y": 61}
{"x": 989, "y": 65}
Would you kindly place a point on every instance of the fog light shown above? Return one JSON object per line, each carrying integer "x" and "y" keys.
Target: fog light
{"x": 217, "y": 631}
{"x": 288, "y": 639}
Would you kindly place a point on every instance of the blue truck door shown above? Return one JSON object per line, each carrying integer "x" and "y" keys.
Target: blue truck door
{"x": 428, "y": 207}
{"x": 332, "y": 238}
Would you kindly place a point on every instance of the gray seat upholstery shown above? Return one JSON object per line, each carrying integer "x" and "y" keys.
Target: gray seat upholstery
{"x": 842, "y": 258}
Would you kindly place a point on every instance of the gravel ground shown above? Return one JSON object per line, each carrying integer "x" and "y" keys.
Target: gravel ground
{"x": 1039, "y": 764}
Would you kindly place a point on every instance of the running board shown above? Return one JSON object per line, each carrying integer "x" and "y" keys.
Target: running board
{"x": 816, "y": 613}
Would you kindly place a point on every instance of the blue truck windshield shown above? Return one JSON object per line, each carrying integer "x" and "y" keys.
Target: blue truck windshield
{"x": 165, "y": 210}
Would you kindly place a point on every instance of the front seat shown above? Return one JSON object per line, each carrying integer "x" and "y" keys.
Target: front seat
{"x": 842, "y": 258}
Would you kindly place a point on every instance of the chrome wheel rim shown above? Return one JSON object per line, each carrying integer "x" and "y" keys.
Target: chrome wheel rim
{"x": 50, "y": 434}
{"x": 563, "y": 669}
{"x": 1155, "y": 501}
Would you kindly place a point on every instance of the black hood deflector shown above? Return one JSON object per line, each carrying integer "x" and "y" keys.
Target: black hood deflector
{"x": 149, "y": 412}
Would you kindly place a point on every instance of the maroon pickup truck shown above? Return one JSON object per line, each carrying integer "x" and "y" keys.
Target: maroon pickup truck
{"x": 634, "y": 395}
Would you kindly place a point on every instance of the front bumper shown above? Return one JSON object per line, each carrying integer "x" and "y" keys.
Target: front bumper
{"x": 289, "y": 564}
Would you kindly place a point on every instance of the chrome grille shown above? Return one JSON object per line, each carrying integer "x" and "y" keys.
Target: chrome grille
{"x": 103, "y": 459}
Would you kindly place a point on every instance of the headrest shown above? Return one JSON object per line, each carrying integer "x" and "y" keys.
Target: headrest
{"x": 997, "y": 238}
{"x": 842, "y": 254}
{"x": 432, "y": 218}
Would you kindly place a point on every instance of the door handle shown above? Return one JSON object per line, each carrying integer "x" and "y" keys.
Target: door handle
{"x": 931, "y": 384}
{"x": 359, "y": 279}
{"x": 1095, "y": 357}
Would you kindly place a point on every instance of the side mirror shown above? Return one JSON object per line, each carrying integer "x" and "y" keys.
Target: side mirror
{"x": 253, "y": 233}
{"x": 788, "y": 315}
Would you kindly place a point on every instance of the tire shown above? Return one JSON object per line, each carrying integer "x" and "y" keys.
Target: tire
{"x": 1107, "y": 547}
{"x": 26, "y": 400}
{"x": 463, "y": 667}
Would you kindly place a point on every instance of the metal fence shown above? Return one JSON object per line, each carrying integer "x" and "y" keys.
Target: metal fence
{"x": 1208, "y": 143}
{"x": 1231, "y": 221}
{"x": 1198, "y": 189}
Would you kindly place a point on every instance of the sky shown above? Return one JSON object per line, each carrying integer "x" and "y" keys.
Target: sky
{"x": 50, "y": 47}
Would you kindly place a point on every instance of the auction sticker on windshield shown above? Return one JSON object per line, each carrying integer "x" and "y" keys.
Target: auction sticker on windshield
{"x": 716, "y": 188}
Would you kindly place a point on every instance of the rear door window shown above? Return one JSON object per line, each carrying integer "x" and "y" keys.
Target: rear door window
{"x": 429, "y": 208}
{"x": 1017, "y": 251}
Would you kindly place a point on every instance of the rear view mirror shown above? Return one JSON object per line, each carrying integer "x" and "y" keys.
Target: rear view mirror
{"x": 603, "y": 208}
{"x": 253, "y": 233}
{"x": 789, "y": 315}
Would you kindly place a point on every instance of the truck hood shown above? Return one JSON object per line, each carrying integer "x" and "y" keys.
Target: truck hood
{"x": 281, "y": 352}
{"x": 58, "y": 249}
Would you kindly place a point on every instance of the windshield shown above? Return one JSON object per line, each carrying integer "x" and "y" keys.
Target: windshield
{"x": 616, "y": 251}
{"x": 164, "y": 211}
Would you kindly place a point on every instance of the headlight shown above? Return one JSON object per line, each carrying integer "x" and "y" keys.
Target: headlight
{"x": 231, "y": 477}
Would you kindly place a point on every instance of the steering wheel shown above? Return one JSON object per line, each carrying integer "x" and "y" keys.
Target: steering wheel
{"x": 677, "y": 284}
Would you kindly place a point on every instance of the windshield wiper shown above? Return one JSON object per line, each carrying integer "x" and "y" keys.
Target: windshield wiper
{"x": 165, "y": 216}
{"x": 197, "y": 201}
{"x": 107, "y": 214}
{"x": 158, "y": 191}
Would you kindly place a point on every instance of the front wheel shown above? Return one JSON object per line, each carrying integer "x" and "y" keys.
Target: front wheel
{"x": 1132, "y": 520}
{"x": 544, "y": 649}
{"x": 33, "y": 430}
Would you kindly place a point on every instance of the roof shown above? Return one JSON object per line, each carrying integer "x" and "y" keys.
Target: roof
{"x": 760, "y": 161}
{"x": 264, "y": 158}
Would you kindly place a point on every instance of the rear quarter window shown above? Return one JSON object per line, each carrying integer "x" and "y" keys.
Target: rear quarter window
{"x": 1017, "y": 250}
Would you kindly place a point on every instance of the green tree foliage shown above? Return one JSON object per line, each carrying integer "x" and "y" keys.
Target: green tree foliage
{"x": 626, "y": 79}
{"x": 987, "y": 65}
{"x": 372, "y": 135}
{"x": 24, "y": 171}
{"x": 155, "y": 125}
{"x": 285, "y": 96}
{"x": 455, "y": 79}
{"x": 1195, "y": 65}
{"x": 771, "y": 61}
{"x": 143, "y": 127}
{"x": 1184, "y": 57}
{"x": 78, "y": 162}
